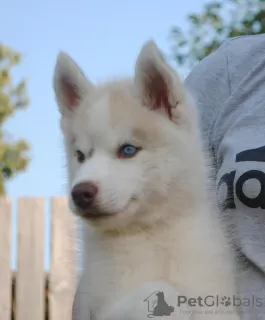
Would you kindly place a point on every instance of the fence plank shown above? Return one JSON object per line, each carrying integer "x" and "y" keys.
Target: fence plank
{"x": 5, "y": 255}
{"x": 30, "y": 274}
{"x": 63, "y": 266}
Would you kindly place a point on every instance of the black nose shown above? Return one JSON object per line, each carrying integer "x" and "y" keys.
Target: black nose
{"x": 83, "y": 194}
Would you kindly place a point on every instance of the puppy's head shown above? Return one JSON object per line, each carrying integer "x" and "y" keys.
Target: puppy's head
{"x": 129, "y": 143}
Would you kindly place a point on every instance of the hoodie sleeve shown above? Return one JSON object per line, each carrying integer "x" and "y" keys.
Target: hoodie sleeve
{"x": 229, "y": 89}
{"x": 209, "y": 85}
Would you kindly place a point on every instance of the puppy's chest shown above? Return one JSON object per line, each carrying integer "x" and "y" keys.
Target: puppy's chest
{"x": 112, "y": 273}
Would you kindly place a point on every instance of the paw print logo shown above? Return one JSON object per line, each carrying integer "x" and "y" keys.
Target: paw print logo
{"x": 226, "y": 301}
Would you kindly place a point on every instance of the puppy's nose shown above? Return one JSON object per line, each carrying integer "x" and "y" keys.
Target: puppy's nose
{"x": 83, "y": 194}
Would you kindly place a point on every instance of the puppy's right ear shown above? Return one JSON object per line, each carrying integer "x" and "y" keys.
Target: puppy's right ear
{"x": 69, "y": 83}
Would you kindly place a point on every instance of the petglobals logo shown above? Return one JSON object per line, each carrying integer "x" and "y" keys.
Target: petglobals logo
{"x": 216, "y": 301}
{"x": 157, "y": 305}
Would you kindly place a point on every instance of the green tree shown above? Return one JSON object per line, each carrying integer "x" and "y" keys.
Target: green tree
{"x": 218, "y": 20}
{"x": 13, "y": 97}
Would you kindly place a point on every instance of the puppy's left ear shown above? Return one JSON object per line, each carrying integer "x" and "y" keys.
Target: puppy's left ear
{"x": 69, "y": 83}
{"x": 156, "y": 83}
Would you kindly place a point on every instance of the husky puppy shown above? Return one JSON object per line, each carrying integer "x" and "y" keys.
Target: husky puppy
{"x": 139, "y": 181}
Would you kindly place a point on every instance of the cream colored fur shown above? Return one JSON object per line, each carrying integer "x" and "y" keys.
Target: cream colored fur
{"x": 162, "y": 232}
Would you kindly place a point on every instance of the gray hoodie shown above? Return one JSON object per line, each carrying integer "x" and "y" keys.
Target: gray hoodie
{"x": 229, "y": 88}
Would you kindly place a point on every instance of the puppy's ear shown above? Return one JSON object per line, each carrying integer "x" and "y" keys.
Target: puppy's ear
{"x": 157, "y": 85}
{"x": 69, "y": 83}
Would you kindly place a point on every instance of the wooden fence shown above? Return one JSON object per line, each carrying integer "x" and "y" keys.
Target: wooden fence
{"x": 29, "y": 293}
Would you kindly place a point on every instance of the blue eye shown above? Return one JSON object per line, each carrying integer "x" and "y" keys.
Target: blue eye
{"x": 127, "y": 151}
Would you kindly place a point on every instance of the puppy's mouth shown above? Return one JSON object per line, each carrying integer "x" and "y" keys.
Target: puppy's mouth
{"x": 94, "y": 214}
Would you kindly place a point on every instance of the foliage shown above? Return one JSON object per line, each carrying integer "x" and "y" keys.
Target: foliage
{"x": 218, "y": 20}
{"x": 13, "y": 157}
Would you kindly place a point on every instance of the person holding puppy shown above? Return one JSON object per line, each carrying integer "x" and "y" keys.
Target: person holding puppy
{"x": 228, "y": 87}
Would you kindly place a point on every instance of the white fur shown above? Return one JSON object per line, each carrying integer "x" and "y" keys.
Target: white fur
{"x": 162, "y": 232}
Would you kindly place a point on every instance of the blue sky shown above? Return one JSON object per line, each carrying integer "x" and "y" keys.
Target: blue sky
{"x": 104, "y": 37}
